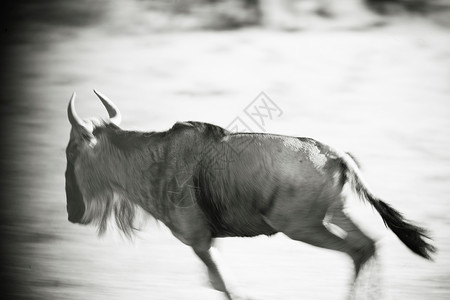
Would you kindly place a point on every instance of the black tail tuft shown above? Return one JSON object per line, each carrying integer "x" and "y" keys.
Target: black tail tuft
{"x": 411, "y": 235}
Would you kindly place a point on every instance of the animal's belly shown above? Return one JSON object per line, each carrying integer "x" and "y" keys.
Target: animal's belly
{"x": 239, "y": 225}
{"x": 235, "y": 208}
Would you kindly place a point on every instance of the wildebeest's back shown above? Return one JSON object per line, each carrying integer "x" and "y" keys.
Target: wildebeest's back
{"x": 241, "y": 177}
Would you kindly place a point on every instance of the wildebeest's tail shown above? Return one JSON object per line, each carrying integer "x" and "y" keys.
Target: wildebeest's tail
{"x": 412, "y": 236}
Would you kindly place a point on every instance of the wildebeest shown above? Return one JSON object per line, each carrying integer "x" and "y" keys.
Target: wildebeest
{"x": 204, "y": 182}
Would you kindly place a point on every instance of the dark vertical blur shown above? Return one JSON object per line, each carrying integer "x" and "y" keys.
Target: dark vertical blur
{"x": 24, "y": 25}
{"x": 8, "y": 278}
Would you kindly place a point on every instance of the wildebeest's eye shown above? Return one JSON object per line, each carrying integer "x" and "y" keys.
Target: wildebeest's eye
{"x": 87, "y": 136}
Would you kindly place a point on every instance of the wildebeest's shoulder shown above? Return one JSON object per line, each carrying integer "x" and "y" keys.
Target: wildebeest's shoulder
{"x": 125, "y": 139}
{"x": 206, "y": 129}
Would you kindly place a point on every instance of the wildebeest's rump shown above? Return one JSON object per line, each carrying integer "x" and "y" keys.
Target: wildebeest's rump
{"x": 203, "y": 182}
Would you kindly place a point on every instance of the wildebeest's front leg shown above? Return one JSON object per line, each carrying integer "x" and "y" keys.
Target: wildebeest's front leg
{"x": 215, "y": 277}
{"x": 217, "y": 272}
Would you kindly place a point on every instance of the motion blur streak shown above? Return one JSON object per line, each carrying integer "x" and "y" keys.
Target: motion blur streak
{"x": 380, "y": 91}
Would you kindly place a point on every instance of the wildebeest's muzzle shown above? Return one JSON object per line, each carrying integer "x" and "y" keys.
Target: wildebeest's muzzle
{"x": 75, "y": 204}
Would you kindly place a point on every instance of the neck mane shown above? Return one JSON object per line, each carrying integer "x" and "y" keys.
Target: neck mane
{"x": 121, "y": 176}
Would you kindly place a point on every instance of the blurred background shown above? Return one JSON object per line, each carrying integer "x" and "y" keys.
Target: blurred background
{"x": 371, "y": 77}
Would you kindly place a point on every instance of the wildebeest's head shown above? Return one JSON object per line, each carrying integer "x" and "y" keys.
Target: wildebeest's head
{"x": 80, "y": 161}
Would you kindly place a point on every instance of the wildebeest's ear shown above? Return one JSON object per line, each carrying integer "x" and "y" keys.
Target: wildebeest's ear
{"x": 85, "y": 129}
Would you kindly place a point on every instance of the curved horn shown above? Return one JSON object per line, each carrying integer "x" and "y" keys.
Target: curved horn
{"x": 74, "y": 119}
{"x": 114, "y": 114}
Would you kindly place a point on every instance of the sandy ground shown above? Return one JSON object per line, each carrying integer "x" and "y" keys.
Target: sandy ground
{"x": 381, "y": 93}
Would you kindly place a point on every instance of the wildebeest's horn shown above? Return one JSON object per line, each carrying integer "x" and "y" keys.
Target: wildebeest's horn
{"x": 114, "y": 114}
{"x": 74, "y": 119}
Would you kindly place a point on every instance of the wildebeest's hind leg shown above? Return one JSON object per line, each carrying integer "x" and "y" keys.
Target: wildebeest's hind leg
{"x": 317, "y": 232}
{"x": 364, "y": 247}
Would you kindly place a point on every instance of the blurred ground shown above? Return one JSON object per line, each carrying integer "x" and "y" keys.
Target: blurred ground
{"x": 382, "y": 93}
